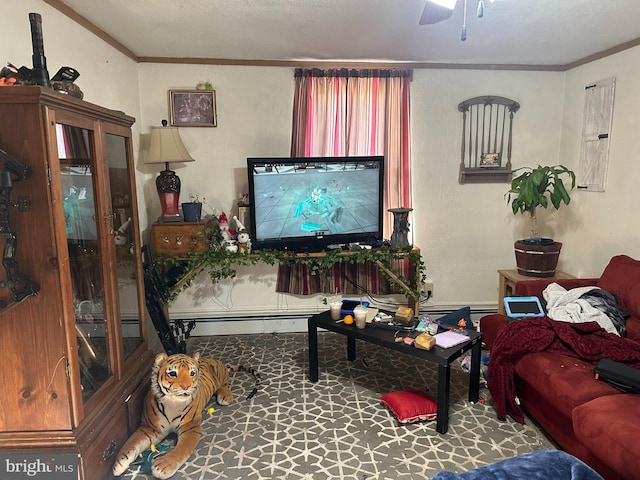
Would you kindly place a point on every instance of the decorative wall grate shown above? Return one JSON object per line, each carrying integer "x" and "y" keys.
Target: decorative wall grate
{"x": 487, "y": 123}
{"x": 596, "y": 134}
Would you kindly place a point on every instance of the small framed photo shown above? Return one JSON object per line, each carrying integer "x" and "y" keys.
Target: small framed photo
{"x": 490, "y": 160}
{"x": 193, "y": 108}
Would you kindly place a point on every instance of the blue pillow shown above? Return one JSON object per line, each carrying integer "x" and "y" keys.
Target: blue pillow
{"x": 452, "y": 319}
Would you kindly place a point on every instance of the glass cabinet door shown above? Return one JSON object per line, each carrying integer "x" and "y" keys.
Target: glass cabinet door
{"x": 124, "y": 242}
{"x": 78, "y": 182}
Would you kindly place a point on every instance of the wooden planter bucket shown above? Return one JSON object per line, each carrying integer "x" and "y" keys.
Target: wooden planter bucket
{"x": 537, "y": 260}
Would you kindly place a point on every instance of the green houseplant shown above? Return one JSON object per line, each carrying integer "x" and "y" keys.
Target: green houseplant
{"x": 535, "y": 187}
{"x": 531, "y": 189}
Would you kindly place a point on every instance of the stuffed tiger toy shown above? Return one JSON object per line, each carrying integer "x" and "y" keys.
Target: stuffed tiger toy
{"x": 181, "y": 386}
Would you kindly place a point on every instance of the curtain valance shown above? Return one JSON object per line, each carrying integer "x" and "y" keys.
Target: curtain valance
{"x": 352, "y": 73}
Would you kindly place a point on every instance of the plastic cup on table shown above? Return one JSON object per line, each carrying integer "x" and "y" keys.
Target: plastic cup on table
{"x": 360, "y": 316}
{"x": 335, "y": 310}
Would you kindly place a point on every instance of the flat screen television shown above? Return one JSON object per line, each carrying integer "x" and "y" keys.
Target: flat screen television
{"x": 312, "y": 203}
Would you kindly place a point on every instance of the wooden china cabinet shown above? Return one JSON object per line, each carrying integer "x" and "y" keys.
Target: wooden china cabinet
{"x": 74, "y": 354}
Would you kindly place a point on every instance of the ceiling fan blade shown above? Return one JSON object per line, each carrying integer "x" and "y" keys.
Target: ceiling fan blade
{"x": 434, "y": 13}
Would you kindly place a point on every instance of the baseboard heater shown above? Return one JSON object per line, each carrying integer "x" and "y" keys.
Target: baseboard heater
{"x": 476, "y": 313}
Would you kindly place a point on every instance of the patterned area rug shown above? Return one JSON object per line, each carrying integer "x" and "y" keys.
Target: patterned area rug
{"x": 337, "y": 428}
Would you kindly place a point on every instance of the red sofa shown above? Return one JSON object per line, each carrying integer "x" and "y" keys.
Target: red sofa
{"x": 588, "y": 418}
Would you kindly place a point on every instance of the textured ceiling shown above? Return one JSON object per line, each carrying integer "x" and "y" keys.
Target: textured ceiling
{"x": 512, "y": 32}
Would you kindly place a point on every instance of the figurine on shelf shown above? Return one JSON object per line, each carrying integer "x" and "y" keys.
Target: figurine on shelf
{"x": 244, "y": 241}
{"x": 228, "y": 234}
{"x": 120, "y": 237}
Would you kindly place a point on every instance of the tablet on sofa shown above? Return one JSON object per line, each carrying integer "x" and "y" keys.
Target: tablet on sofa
{"x": 523, "y": 307}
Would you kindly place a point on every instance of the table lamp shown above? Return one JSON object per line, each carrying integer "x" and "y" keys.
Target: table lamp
{"x": 166, "y": 147}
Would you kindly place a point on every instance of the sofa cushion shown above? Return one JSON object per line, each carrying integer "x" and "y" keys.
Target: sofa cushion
{"x": 622, "y": 278}
{"x": 609, "y": 427}
{"x": 565, "y": 381}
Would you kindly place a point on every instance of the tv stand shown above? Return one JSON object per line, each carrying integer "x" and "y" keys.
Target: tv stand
{"x": 221, "y": 265}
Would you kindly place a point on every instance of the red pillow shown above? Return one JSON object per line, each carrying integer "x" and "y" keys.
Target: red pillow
{"x": 410, "y": 406}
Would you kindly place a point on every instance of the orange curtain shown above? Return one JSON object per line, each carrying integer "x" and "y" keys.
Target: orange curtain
{"x": 340, "y": 112}
{"x": 357, "y": 112}
{"x": 319, "y": 114}
{"x": 378, "y": 124}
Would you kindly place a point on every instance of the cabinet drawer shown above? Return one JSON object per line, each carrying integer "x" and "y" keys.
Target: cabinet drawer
{"x": 97, "y": 461}
{"x": 178, "y": 238}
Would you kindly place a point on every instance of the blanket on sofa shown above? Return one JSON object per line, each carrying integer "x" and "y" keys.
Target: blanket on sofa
{"x": 586, "y": 341}
{"x": 585, "y": 304}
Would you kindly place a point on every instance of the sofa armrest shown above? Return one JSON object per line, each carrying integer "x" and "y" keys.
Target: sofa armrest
{"x": 491, "y": 326}
{"x": 534, "y": 288}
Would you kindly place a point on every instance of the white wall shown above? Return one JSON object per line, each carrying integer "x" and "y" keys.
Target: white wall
{"x": 465, "y": 232}
{"x": 605, "y": 223}
{"x": 254, "y": 106}
{"x": 107, "y": 77}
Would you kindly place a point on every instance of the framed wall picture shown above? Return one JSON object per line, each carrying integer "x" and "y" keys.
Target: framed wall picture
{"x": 490, "y": 160}
{"x": 193, "y": 108}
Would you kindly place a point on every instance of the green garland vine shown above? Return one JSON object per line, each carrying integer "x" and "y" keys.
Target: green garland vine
{"x": 221, "y": 264}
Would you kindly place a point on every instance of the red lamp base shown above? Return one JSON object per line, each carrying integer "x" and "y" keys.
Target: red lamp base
{"x": 169, "y": 205}
{"x": 168, "y": 185}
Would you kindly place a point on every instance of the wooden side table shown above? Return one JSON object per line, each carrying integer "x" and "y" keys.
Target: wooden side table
{"x": 507, "y": 280}
{"x": 178, "y": 238}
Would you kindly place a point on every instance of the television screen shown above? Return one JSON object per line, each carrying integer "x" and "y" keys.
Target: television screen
{"x": 308, "y": 204}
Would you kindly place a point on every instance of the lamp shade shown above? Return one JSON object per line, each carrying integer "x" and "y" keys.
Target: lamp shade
{"x": 166, "y": 146}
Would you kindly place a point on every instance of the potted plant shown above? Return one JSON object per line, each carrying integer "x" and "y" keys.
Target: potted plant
{"x": 533, "y": 188}
{"x": 192, "y": 210}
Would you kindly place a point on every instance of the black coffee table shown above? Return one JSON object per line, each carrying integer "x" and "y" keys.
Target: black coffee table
{"x": 385, "y": 338}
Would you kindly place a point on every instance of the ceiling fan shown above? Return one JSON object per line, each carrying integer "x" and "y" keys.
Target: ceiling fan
{"x": 436, "y": 11}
